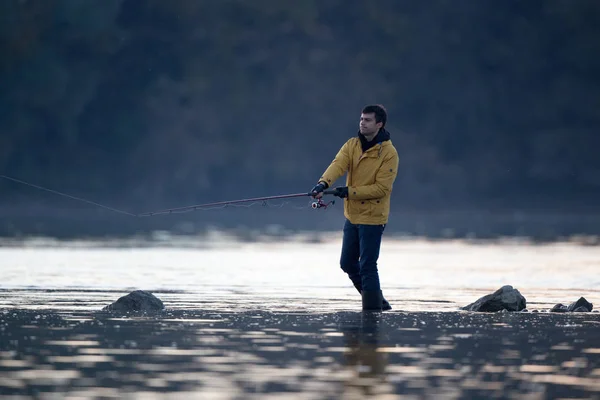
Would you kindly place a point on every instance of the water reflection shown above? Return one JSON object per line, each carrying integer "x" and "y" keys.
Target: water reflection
{"x": 259, "y": 354}
{"x": 362, "y": 338}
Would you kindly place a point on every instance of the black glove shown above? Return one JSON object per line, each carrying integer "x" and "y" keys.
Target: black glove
{"x": 320, "y": 187}
{"x": 341, "y": 192}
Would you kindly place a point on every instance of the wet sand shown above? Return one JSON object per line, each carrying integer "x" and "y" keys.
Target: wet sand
{"x": 251, "y": 354}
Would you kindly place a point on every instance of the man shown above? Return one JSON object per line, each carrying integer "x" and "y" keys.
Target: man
{"x": 371, "y": 162}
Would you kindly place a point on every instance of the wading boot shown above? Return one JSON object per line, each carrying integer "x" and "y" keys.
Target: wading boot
{"x": 385, "y": 306}
{"x": 371, "y": 300}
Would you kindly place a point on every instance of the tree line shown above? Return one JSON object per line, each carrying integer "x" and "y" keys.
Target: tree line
{"x": 491, "y": 104}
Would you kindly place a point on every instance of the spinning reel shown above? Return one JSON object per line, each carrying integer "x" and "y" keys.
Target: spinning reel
{"x": 321, "y": 204}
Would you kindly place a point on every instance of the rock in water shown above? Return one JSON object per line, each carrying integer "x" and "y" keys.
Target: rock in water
{"x": 136, "y": 301}
{"x": 581, "y": 305}
{"x": 559, "y": 308}
{"x": 505, "y": 298}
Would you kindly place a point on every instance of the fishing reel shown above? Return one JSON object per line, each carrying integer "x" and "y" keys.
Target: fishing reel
{"x": 321, "y": 204}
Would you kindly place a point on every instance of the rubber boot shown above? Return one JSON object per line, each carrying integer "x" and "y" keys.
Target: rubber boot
{"x": 371, "y": 300}
{"x": 385, "y": 305}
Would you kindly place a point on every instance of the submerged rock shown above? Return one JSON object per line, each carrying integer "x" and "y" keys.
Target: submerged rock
{"x": 505, "y": 298}
{"x": 581, "y": 305}
{"x": 136, "y": 301}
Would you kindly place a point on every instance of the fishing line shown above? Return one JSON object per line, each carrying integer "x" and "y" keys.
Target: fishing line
{"x": 67, "y": 195}
{"x": 203, "y": 207}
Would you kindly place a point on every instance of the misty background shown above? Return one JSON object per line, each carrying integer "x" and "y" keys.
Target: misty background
{"x": 494, "y": 108}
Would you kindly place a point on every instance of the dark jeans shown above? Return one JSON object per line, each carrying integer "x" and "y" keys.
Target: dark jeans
{"x": 360, "y": 251}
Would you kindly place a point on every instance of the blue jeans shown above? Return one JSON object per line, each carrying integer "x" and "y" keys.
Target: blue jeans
{"x": 360, "y": 251}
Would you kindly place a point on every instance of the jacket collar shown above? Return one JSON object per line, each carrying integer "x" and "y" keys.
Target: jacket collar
{"x": 381, "y": 137}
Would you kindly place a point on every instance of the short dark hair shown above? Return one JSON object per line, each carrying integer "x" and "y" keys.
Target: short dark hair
{"x": 379, "y": 111}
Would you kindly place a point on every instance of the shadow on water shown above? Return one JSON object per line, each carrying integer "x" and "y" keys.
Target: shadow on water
{"x": 249, "y": 354}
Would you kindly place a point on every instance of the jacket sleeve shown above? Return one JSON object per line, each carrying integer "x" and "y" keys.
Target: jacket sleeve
{"x": 384, "y": 180}
{"x": 338, "y": 167}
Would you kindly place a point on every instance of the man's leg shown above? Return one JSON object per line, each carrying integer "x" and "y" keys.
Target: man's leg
{"x": 349, "y": 260}
{"x": 351, "y": 253}
{"x": 370, "y": 243}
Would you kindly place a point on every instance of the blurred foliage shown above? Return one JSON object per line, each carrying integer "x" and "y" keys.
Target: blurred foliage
{"x": 490, "y": 103}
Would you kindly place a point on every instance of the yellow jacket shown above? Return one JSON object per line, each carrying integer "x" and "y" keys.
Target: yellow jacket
{"x": 370, "y": 178}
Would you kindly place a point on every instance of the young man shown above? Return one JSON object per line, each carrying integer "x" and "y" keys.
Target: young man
{"x": 371, "y": 162}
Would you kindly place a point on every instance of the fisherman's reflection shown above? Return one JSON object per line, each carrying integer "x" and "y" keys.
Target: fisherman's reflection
{"x": 362, "y": 338}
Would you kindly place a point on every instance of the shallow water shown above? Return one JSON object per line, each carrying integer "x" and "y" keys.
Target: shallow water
{"x": 300, "y": 355}
{"x": 280, "y": 320}
{"x": 215, "y": 273}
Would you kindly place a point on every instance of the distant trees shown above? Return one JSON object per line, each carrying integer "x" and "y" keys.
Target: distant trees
{"x": 489, "y": 101}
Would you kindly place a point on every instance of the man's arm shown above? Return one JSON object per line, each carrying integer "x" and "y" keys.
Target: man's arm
{"x": 338, "y": 167}
{"x": 384, "y": 180}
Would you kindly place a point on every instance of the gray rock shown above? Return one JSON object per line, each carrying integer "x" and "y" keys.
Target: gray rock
{"x": 561, "y": 308}
{"x": 581, "y": 309}
{"x": 581, "y": 305}
{"x": 136, "y": 301}
{"x": 505, "y": 298}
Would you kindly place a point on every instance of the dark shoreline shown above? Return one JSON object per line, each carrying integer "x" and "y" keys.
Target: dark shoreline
{"x": 246, "y": 225}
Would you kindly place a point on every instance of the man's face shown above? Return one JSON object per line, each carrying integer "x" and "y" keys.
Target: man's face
{"x": 368, "y": 126}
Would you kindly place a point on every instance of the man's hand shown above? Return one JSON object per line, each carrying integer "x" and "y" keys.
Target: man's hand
{"x": 317, "y": 191}
{"x": 341, "y": 192}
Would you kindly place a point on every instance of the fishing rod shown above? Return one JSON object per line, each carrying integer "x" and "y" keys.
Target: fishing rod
{"x": 316, "y": 204}
{"x": 319, "y": 203}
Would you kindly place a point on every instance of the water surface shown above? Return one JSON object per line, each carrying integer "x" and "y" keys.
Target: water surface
{"x": 281, "y": 320}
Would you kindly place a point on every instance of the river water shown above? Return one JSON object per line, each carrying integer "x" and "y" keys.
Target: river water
{"x": 279, "y": 319}
{"x": 215, "y": 271}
